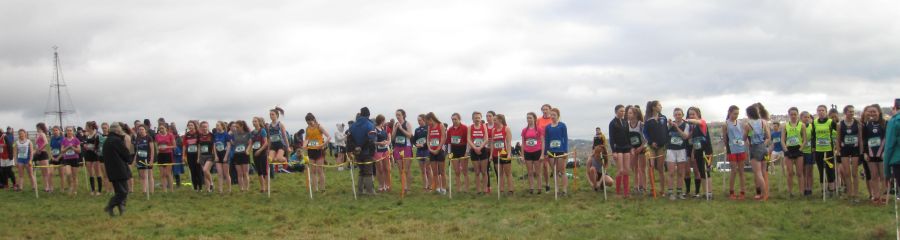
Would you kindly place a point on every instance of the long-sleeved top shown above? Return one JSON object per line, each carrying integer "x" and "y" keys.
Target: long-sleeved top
{"x": 556, "y": 139}
{"x": 362, "y": 130}
{"x": 892, "y": 143}
{"x": 618, "y": 134}
{"x": 657, "y": 131}
{"x": 116, "y": 158}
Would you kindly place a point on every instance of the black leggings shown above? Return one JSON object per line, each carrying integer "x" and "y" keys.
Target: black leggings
{"x": 701, "y": 164}
{"x": 196, "y": 171}
{"x": 7, "y": 173}
{"x": 895, "y": 173}
{"x": 823, "y": 167}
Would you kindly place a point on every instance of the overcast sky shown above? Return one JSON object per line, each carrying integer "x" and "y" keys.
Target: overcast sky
{"x": 225, "y": 60}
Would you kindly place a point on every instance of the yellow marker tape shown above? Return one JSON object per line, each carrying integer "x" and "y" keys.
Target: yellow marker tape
{"x": 47, "y": 166}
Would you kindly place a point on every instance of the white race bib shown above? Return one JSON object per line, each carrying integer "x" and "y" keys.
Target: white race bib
{"x": 555, "y": 143}
{"x": 421, "y": 141}
{"x": 163, "y": 146}
{"x": 54, "y": 151}
{"x": 676, "y": 140}
{"x": 89, "y": 146}
{"x": 793, "y": 141}
{"x": 204, "y": 149}
{"x": 776, "y": 140}
{"x": 499, "y": 144}
{"x": 635, "y": 141}
{"x": 313, "y": 143}
{"x": 455, "y": 139}
{"x": 192, "y": 148}
{"x": 142, "y": 153}
{"x": 434, "y": 142}
{"x": 23, "y": 155}
{"x": 275, "y": 138}
{"x": 697, "y": 143}
{"x": 240, "y": 148}
{"x": 851, "y": 140}
{"x": 70, "y": 152}
{"x": 220, "y": 146}
{"x": 1, "y": 148}
{"x": 531, "y": 142}
{"x": 737, "y": 142}
{"x": 478, "y": 142}
{"x": 400, "y": 140}
{"x": 256, "y": 145}
{"x": 822, "y": 141}
{"x": 874, "y": 142}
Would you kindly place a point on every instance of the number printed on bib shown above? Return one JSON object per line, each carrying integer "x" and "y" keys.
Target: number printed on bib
{"x": 192, "y": 148}
{"x": 162, "y": 146}
{"x": 89, "y": 146}
{"x": 142, "y": 153}
{"x": 313, "y": 143}
{"x": 240, "y": 148}
{"x": 499, "y": 144}
{"x": 275, "y": 138}
{"x": 256, "y": 145}
{"x": 23, "y": 155}
{"x": 531, "y": 142}
{"x": 675, "y": 140}
{"x": 421, "y": 141}
{"x": 793, "y": 141}
{"x": 220, "y": 146}
{"x": 874, "y": 142}
{"x": 635, "y": 140}
{"x": 400, "y": 140}
{"x": 555, "y": 143}
{"x": 204, "y": 149}
{"x": 738, "y": 142}
{"x": 776, "y": 140}
{"x": 851, "y": 140}
{"x": 70, "y": 152}
{"x": 478, "y": 142}
{"x": 697, "y": 143}
{"x": 822, "y": 141}
{"x": 434, "y": 142}
{"x": 54, "y": 151}
{"x": 455, "y": 139}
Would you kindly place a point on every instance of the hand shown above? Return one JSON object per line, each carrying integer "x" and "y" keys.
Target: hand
{"x": 654, "y": 145}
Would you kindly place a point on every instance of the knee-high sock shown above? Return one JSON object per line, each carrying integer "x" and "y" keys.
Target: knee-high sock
{"x": 92, "y": 183}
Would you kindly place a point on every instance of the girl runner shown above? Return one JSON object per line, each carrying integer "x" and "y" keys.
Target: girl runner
{"x": 223, "y": 144}
{"x": 71, "y": 150}
{"x": 808, "y": 160}
{"x": 402, "y": 132}
{"x": 242, "y": 142}
{"x": 793, "y": 136}
{"x": 776, "y": 148}
{"x": 701, "y": 149}
{"x": 500, "y": 149}
{"x": 598, "y": 162}
{"x": 56, "y": 138}
{"x": 533, "y": 152}
{"x": 420, "y": 139}
{"x": 638, "y": 146}
{"x": 178, "y": 155}
{"x": 191, "y": 153}
{"x": 41, "y": 157}
{"x": 7, "y": 176}
{"x": 436, "y": 139}
{"x": 656, "y": 129}
{"x": 757, "y": 128}
{"x": 316, "y": 137}
{"x": 478, "y": 136}
{"x": 676, "y": 155}
{"x": 850, "y": 146}
{"x": 91, "y": 156}
{"x": 144, "y": 154}
{"x": 259, "y": 144}
{"x": 340, "y": 145}
{"x": 24, "y": 155}
{"x": 542, "y": 123}
{"x": 165, "y": 143}
{"x": 873, "y": 137}
{"x": 736, "y": 148}
{"x": 457, "y": 136}
{"x": 277, "y": 135}
{"x": 556, "y": 142}
{"x": 104, "y": 129}
{"x": 489, "y": 126}
{"x": 621, "y": 147}
{"x": 383, "y": 165}
{"x": 822, "y": 137}
{"x": 206, "y": 158}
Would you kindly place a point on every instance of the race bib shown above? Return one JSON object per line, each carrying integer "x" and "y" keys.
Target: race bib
{"x": 275, "y": 138}
{"x": 874, "y": 142}
{"x": 676, "y": 140}
{"x": 478, "y": 142}
{"x": 220, "y": 146}
{"x": 256, "y": 145}
{"x": 240, "y": 148}
{"x": 400, "y": 140}
{"x": 1, "y": 148}
{"x": 192, "y": 148}
{"x": 163, "y": 146}
{"x": 89, "y": 146}
{"x": 737, "y": 142}
{"x": 531, "y": 142}
{"x": 382, "y": 147}
{"x": 807, "y": 144}
{"x": 635, "y": 140}
{"x": 434, "y": 142}
{"x": 851, "y": 140}
{"x": 822, "y": 141}
{"x": 455, "y": 139}
{"x": 142, "y": 154}
{"x": 204, "y": 149}
{"x": 499, "y": 144}
{"x": 421, "y": 141}
{"x": 23, "y": 155}
{"x": 555, "y": 143}
{"x": 793, "y": 141}
{"x": 776, "y": 140}
{"x": 313, "y": 143}
{"x": 70, "y": 152}
{"x": 54, "y": 151}
{"x": 697, "y": 143}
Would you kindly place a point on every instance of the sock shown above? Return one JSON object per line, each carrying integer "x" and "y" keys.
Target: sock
{"x": 731, "y": 192}
{"x": 92, "y": 183}
{"x": 758, "y": 191}
{"x": 697, "y": 185}
{"x": 678, "y": 191}
{"x": 177, "y": 179}
{"x": 625, "y": 186}
{"x": 618, "y": 184}
{"x": 687, "y": 184}
{"x": 100, "y": 184}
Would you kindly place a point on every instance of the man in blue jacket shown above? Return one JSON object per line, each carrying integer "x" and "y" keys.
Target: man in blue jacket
{"x": 892, "y": 145}
{"x": 362, "y": 142}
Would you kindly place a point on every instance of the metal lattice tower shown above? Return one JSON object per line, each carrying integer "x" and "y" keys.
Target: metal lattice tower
{"x": 59, "y": 111}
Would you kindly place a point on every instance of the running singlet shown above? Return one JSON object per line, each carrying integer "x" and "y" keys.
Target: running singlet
{"x": 792, "y": 132}
{"x": 850, "y": 134}
{"x": 434, "y": 137}
{"x": 498, "y": 140}
{"x": 823, "y": 132}
{"x": 275, "y": 133}
{"x": 478, "y": 135}
{"x": 532, "y": 138}
{"x": 163, "y": 142}
{"x": 735, "y": 137}
{"x": 142, "y": 148}
{"x": 314, "y": 138}
{"x": 190, "y": 142}
{"x": 69, "y": 144}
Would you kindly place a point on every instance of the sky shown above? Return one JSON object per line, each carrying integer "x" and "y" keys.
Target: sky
{"x": 228, "y": 60}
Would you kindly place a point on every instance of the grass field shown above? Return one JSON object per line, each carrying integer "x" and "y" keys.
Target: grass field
{"x": 290, "y": 214}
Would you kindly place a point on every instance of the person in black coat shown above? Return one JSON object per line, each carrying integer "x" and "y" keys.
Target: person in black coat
{"x": 116, "y": 159}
